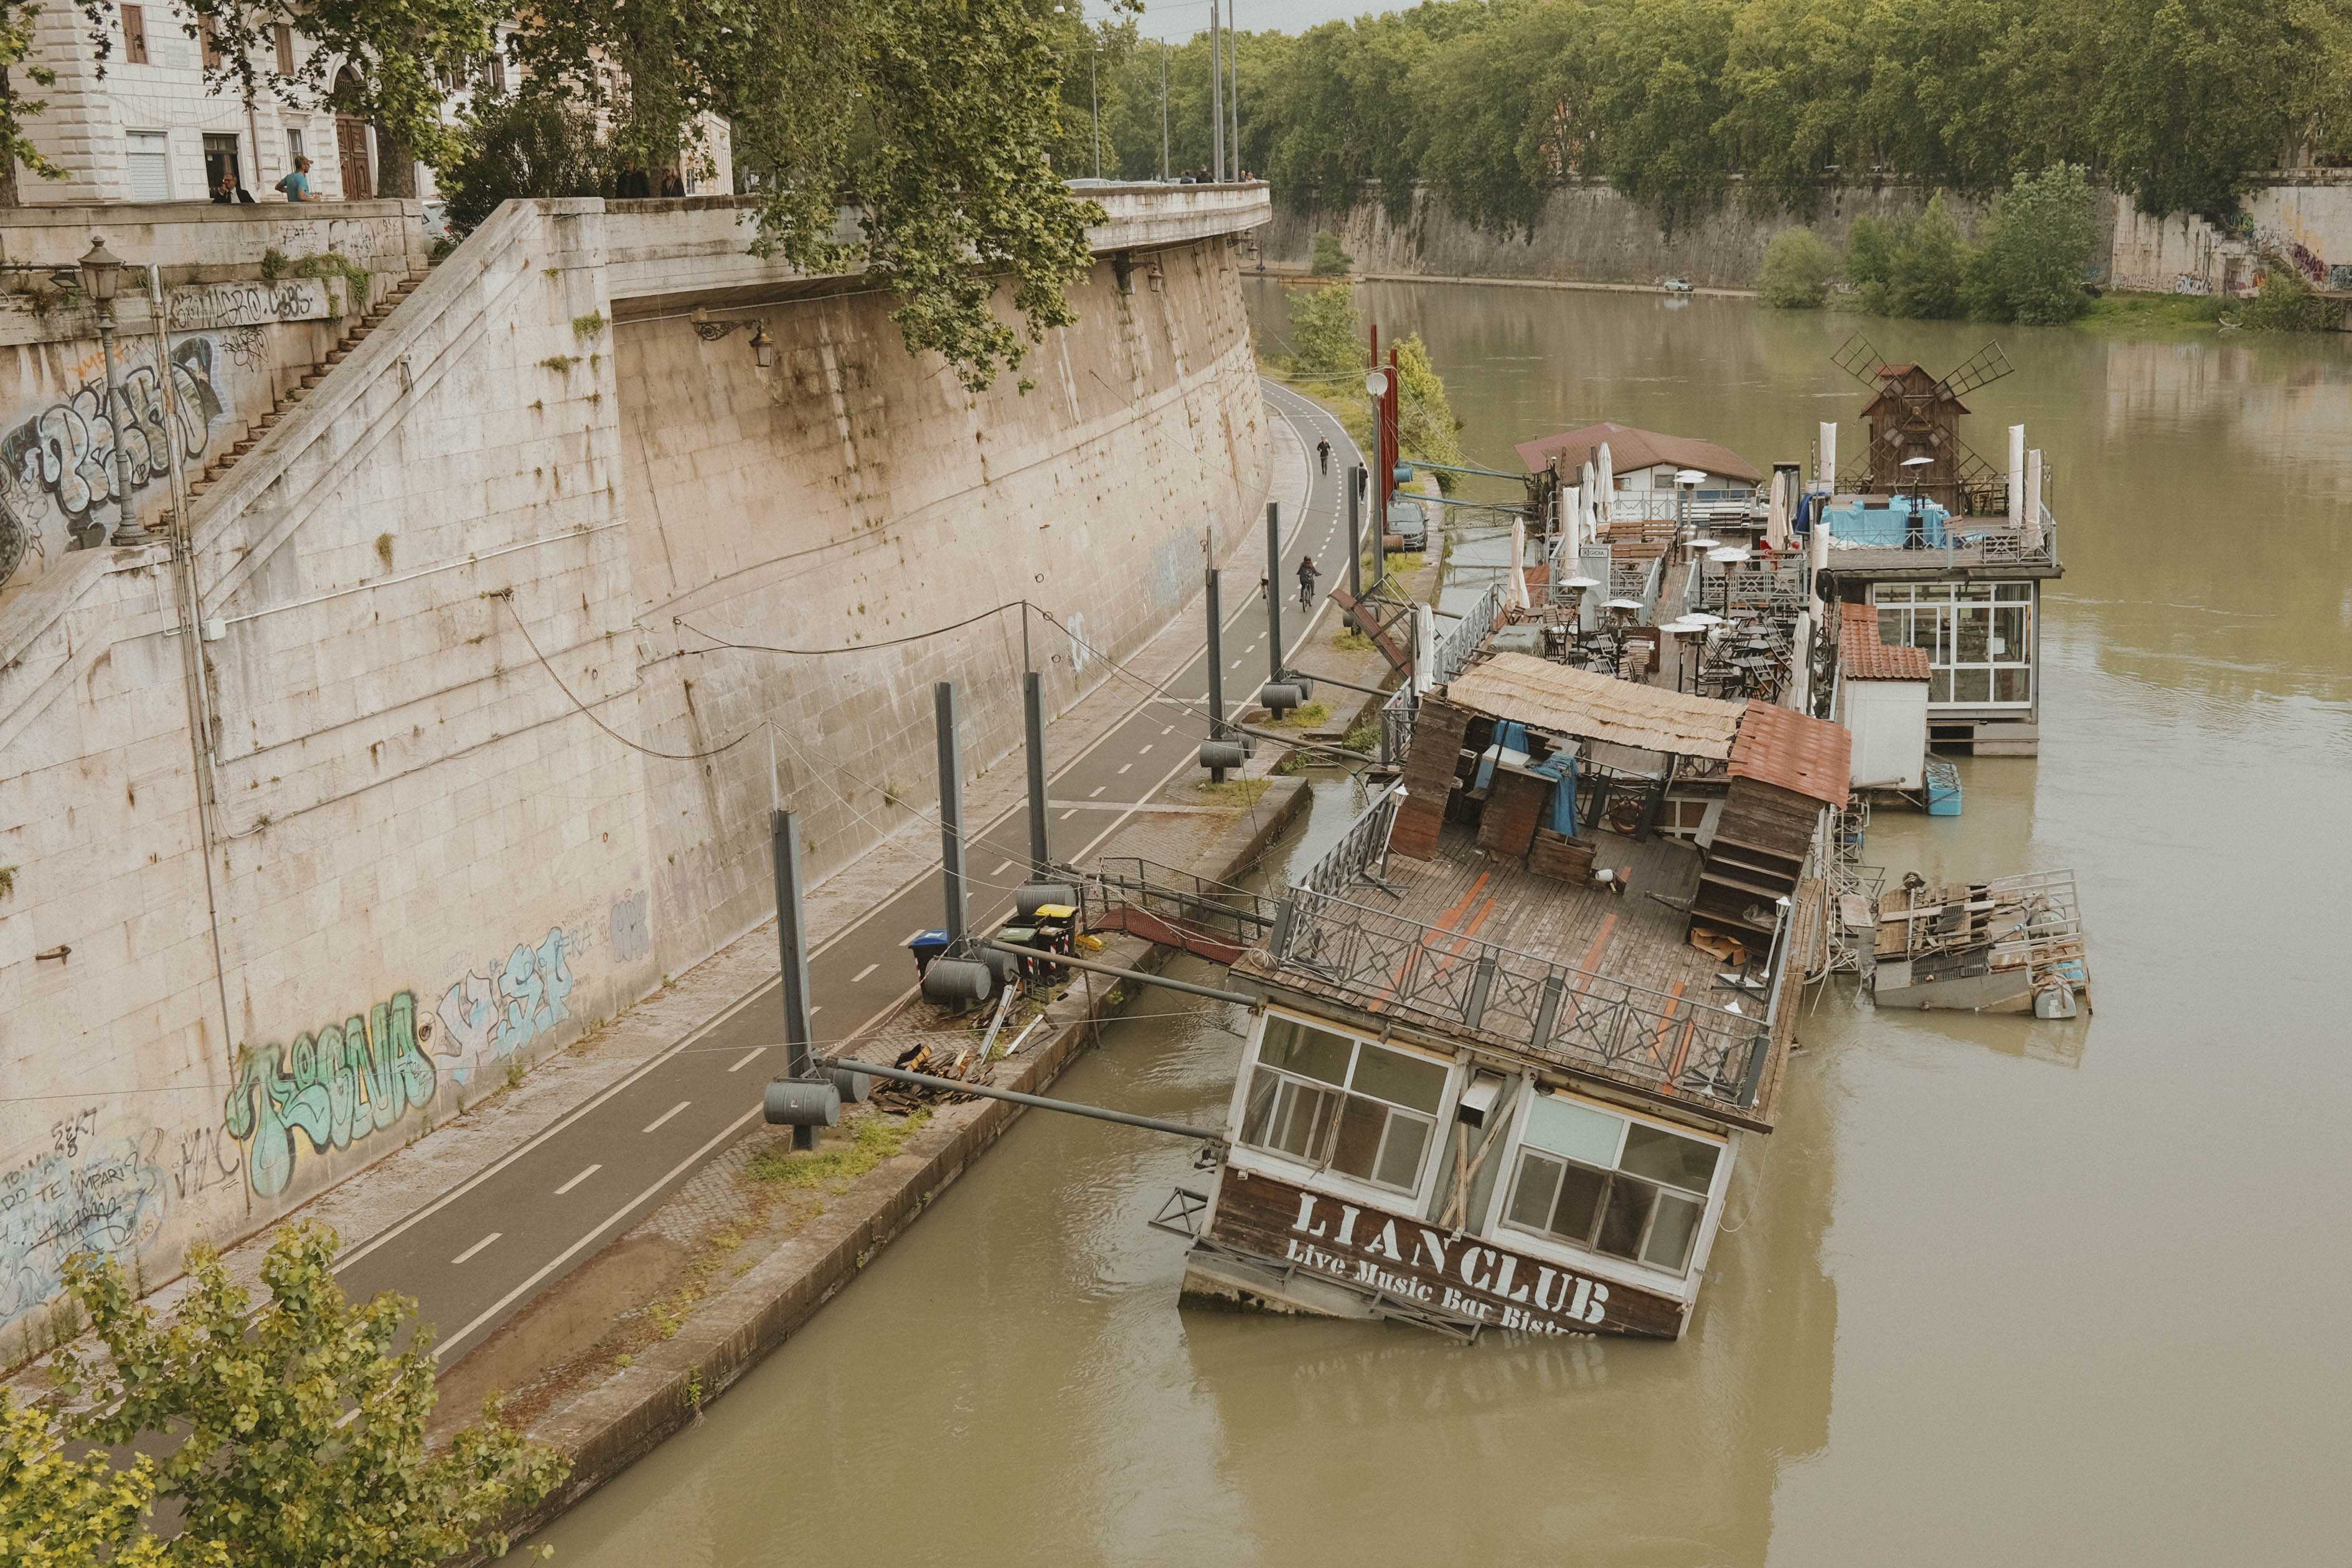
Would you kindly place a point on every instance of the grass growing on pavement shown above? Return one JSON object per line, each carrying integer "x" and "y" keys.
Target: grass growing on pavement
{"x": 873, "y": 1138}
{"x": 1306, "y": 716}
{"x": 1365, "y": 738}
{"x": 1351, "y": 640}
{"x": 1238, "y": 793}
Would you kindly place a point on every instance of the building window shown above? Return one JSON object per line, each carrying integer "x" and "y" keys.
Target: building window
{"x": 209, "y": 42}
{"x": 221, "y": 157}
{"x": 285, "y": 49}
{"x": 1328, "y": 1100}
{"x": 498, "y": 66}
{"x": 147, "y": 159}
{"x": 293, "y": 146}
{"x": 1979, "y": 637}
{"x": 1611, "y": 1185}
{"x": 134, "y": 36}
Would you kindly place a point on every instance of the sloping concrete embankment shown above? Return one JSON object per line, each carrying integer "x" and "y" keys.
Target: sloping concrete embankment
{"x": 405, "y": 771}
{"x": 607, "y": 1425}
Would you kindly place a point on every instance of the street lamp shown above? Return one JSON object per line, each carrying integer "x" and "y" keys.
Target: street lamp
{"x": 102, "y": 279}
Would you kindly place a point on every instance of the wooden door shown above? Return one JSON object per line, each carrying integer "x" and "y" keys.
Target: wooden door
{"x": 350, "y": 146}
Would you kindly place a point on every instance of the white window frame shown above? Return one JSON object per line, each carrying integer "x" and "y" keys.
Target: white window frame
{"x": 1325, "y": 1177}
{"x": 132, "y": 135}
{"x": 1943, "y": 603}
{"x": 1497, "y": 1226}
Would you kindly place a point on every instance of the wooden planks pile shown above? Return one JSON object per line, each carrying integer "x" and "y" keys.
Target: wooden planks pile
{"x": 1438, "y": 728}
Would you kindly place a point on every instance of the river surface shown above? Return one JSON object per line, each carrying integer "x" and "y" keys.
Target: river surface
{"x": 1995, "y": 1291}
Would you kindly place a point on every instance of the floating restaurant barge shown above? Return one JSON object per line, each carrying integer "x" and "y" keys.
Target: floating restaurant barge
{"x": 1508, "y": 1053}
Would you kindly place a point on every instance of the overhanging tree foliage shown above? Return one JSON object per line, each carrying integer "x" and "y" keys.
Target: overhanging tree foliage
{"x": 295, "y": 1433}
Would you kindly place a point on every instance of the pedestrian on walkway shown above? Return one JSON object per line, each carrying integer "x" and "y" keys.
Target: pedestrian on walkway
{"x": 1306, "y": 576}
{"x": 296, "y": 186}
{"x": 1323, "y": 453}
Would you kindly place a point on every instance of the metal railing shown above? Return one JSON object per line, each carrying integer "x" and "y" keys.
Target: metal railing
{"x": 1365, "y": 843}
{"x": 1666, "y": 506}
{"x": 1569, "y": 1016}
{"x": 1129, "y": 882}
{"x": 1453, "y": 652}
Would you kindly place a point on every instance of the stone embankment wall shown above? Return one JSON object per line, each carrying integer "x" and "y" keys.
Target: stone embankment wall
{"x": 1589, "y": 233}
{"x": 320, "y": 835}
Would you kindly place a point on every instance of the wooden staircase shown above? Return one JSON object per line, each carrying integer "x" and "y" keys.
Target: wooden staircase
{"x": 218, "y": 467}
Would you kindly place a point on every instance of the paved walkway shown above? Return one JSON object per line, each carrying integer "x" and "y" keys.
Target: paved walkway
{"x": 589, "y": 1142}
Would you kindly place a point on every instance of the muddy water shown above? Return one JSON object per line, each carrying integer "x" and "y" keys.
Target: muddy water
{"x": 1998, "y": 1290}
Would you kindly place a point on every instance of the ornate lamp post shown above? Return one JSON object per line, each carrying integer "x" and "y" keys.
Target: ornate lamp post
{"x": 102, "y": 279}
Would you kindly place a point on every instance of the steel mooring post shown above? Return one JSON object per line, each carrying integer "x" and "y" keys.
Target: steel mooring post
{"x": 1272, "y": 593}
{"x": 1033, "y": 713}
{"x": 792, "y": 948}
{"x": 1217, "y": 683}
{"x": 952, "y": 868}
{"x": 1355, "y": 531}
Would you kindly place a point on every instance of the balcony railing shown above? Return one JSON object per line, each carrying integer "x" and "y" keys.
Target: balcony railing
{"x": 1454, "y": 650}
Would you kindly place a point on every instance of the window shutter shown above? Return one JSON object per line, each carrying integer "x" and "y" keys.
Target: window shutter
{"x": 134, "y": 36}
{"x": 210, "y": 41}
{"x": 285, "y": 51}
{"x": 147, "y": 159}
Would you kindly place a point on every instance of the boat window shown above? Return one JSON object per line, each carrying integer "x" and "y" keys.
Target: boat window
{"x": 1625, "y": 1188}
{"x": 1378, "y": 1131}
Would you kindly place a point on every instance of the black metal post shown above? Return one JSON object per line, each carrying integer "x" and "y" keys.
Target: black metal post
{"x": 1033, "y": 713}
{"x": 791, "y": 950}
{"x": 1355, "y": 531}
{"x": 1217, "y": 671}
{"x": 1273, "y": 592}
{"x": 952, "y": 876}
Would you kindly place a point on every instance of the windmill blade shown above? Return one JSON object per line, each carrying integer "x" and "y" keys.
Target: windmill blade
{"x": 1859, "y": 358}
{"x": 1984, "y": 367}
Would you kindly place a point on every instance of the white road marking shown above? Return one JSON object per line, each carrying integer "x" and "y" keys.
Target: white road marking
{"x": 1170, "y": 730}
{"x": 592, "y": 1170}
{"x": 1097, "y": 790}
{"x": 1146, "y": 751}
{"x": 918, "y": 931}
{"x": 1068, "y": 814}
{"x": 476, "y": 1246}
{"x": 859, "y": 977}
{"x": 817, "y": 1009}
{"x": 1002, "y": 867}
{"x": 742, "y": 1063}
{"x": 1125, "y": 766}
{"x": 666, "y": 1115}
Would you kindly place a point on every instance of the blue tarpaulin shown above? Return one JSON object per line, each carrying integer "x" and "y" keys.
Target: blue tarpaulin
{"x": 1889, "y": 526}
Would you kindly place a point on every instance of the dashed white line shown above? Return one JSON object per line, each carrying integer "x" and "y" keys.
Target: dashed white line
{"x": 666, "y": 1115}
{"x": 1170, "y": 730}
{"x": 476, "y": 1246}
{"x": 817, "y": 1009}
{"x": 911, "y": 936}
{"x": 1097, "y": 790}
{"x": 742, "y": 1063}
{"x": 1125, "y": 766}
{"x": 1002, "y": 867}
{"x": 1146, "y": 751}
{"x": 592, "y": 1170}
{"x": 860, "y": 976}
{"x": 1068, "y": 814}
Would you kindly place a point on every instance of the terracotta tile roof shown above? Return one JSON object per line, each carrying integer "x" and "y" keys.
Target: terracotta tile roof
{"x": 1781, "y": 747}
{"x": 1863, "y": 657}
{"x": 1630, "y": 449}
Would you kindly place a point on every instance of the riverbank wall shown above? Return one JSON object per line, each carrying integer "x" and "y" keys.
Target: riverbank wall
{"x": 443, "y": 726}
{"x": 605, "y": 1424}
{"x": 1587, "y": 231}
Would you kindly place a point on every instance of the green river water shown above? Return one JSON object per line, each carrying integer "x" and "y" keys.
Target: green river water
{"x": 1996, "y": 1291}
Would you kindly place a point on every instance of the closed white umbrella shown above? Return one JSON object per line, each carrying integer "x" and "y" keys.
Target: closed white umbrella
{"x": 1776, "y": 519}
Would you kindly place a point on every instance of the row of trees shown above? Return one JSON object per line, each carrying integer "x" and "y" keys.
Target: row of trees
{"x": 1329, "y": 352}
{"x": 2036, "y": 243}
{"x": 1492, "y": 101}
{"x": 939, "y": 122}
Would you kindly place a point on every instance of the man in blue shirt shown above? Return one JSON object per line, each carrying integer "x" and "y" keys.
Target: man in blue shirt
{"x": 297, "y": 185}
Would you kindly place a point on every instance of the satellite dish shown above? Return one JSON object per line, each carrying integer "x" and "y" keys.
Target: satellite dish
{"x": 1377, "y": 383}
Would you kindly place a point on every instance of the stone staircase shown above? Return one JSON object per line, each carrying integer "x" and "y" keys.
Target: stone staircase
{"x": 287, "y": 401}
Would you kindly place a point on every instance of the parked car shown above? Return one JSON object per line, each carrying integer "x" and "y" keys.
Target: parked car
{"x": 1408, "y": 524}
{"x": 1676, "y": 286}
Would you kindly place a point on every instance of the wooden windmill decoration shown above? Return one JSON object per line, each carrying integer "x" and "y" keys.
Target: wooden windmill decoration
{"x": 1916, "y": 415}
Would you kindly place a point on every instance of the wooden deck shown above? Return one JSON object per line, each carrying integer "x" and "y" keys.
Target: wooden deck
{"x": 1631, "y": 936}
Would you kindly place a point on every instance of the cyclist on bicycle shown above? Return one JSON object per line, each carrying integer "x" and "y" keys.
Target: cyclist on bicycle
{"x": 1323, "y": 453}
{"x": 1307, "y": 575}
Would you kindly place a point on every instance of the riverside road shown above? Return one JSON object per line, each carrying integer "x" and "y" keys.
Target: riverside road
{"x": 485, "y": 1249}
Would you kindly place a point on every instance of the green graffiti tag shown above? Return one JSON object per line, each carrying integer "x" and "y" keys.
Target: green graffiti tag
{"x": 335, "y": 1087}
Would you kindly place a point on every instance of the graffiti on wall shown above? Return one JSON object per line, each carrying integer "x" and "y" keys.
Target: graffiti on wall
{"x": 63, "y": 455}
{"x": 346, "y": 1082}
{"x": 77, "y": 1193}
{"x": 496, "y": 1010}
{"x": 631, "y": 940}
{"x": 248, "y": 303}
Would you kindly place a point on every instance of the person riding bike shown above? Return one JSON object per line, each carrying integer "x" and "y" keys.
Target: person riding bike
{"x": 1323, "y": 453}
{"x": 1307, "y": 575}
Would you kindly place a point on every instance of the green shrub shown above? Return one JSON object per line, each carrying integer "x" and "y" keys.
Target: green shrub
{"x": 2285, "y": 304}
{"x": 521, "y": 145}
{"x": 1330, "y": 261}
{"x": 1797, "y": 268}
{"x": 2040, "y": 240}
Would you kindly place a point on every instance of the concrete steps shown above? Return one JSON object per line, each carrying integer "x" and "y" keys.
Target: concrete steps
{"x": 291, "y": 398}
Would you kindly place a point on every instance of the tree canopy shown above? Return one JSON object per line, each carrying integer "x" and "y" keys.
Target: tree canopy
{"x": 1684, "y": 103}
